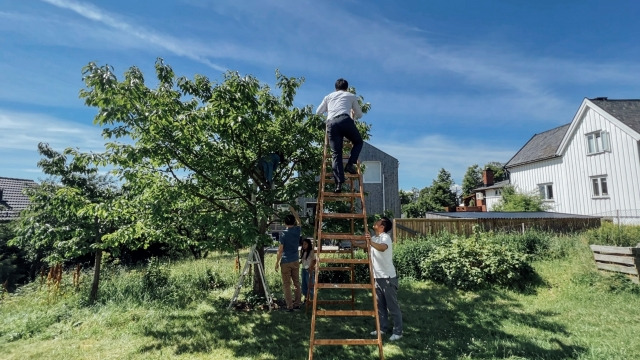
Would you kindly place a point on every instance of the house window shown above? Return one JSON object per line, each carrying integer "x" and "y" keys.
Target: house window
{"x": 546, "y": 191}
{"x": 598, "y": 142}
{"x": 372, "y": 172}
{"x": 599, "y": 185}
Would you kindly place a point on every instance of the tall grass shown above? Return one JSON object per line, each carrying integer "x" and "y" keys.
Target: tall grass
{"x": 615, "y": 235}
{"x": 178, "y": 310}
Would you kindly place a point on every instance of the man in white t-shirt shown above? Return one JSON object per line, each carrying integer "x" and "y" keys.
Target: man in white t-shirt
{"x": 386, "y": 279}
{"x": 340, "y": 106}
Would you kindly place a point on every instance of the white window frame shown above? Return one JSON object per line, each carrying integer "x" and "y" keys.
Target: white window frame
{"x": 546, "y": 191}
{"x": 599, "y": 186}
{"x": 597, "y": 142}
{"x": 369, "y": 175}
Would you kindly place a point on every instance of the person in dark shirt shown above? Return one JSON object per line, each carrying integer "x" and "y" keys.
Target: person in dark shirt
{"x": 287, "y": 260}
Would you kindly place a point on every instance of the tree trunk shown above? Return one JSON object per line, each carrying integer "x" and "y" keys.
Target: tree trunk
{"x": 93, "y": 296}
{"x": 258, "y": 288}
{"x": 96, "y": 277}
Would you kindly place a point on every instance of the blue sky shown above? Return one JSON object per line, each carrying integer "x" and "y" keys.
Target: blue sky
{"x": 451, "y": 84}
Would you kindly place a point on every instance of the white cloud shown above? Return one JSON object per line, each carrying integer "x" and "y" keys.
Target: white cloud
{"x": 23, "y": 132}
{"x": 422, "y": 158}
{"x": 173, "y": 44}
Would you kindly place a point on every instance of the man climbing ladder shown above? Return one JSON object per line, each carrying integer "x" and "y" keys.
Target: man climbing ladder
{"x": 341, "y": 106}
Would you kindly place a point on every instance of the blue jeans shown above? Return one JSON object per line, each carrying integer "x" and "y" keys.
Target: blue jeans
{"x": 340, "y": 127}
{"x": 305, "y": 283}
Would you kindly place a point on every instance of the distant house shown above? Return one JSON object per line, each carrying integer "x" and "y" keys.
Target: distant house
{"x": 485, "y": 196}
{"x": 590, "y": 166}
{"x": 12, "y": 199}
{"x": 380, "y": 180}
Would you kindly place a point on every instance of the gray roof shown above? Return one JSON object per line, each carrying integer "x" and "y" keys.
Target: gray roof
{"x": 369, "y": 150}
{"x": 540, "y": 147}
{"x": 12, "y": 200}
{"x": 498, "y": 185}
{"x": 627, "y": 111}
{"x": 545, "y": 145}
{"x": 509, "y": 215}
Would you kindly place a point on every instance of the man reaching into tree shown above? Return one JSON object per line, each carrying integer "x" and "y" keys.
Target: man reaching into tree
{"x": 341, "y": 106}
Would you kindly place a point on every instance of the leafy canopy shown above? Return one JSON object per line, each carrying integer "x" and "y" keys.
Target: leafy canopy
{"x": 193, "y": 145}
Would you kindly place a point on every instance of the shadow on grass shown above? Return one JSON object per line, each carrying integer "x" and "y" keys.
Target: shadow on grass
{"x": 439, "y": 323}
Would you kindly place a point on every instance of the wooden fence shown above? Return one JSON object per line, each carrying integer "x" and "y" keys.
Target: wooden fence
{"x": 409, "y": 228}
{"x": 624, "y": 260}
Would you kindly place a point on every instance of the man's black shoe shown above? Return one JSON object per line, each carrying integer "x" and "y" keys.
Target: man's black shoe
{"x": 351, "y": 169}
{"x": 338, "y": 188}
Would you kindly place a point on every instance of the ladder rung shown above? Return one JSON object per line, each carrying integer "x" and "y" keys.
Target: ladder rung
{"x": 333, "y": 302}
{"x": 342, "y": 216}
{"x": 342, "y": 236}
{"x": 345, "y": 251}
{"x": 346, "y": 175}
{"x": 331, "y": 194}
{"x": 334, "y": 268}
{"x": 345, "y": 342}
{"x": 343, "y": 261}
{"x": 342, "y": 286}
{"x": 345, "y": 313}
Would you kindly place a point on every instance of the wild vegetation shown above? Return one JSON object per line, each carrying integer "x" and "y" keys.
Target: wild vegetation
{"x": 178, "y": 309}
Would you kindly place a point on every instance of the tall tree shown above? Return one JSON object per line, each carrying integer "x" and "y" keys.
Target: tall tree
{"x": 206, "y": 139}
{"x": 440, "y": 193}
{"x": 69, "y": 214}
{"x": 472, "y": 178}
{"x": 432, "y": 198}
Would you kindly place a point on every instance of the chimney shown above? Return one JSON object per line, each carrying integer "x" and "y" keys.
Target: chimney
{"x": 487, "y": 177}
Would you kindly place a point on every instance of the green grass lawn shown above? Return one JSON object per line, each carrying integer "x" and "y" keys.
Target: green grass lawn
{"x": 571, "y": 314}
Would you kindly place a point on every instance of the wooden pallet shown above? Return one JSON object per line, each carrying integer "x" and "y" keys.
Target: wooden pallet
{"x": 341, "y": 260}
{"x": 624, "y": 260}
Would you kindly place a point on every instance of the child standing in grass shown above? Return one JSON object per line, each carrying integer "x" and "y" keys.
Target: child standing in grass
{"x": 308, "y": 264}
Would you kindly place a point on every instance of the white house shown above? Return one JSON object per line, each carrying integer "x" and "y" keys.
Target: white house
{"x": 590, "y": 166}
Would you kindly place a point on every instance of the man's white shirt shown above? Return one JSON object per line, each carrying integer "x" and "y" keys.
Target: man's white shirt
{"x": 383, "y": 260}
{"x": 338, "y": 103}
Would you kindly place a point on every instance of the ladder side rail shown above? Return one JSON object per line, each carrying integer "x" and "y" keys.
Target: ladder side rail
{"x": 371, "y": 273}
{"x": 318, "y": 240}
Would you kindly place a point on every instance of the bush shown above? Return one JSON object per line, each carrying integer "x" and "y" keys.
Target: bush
{"x": 408, "y": 255}
{"x": 532, "y": 242}
{"x": 476, "y": 263}
{"x": 614, "y": 235}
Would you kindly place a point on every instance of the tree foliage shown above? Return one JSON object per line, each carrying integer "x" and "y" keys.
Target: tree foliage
{"x": 70, "y": 213}
{"x": 513, "y": 201}
{"x": 499, "y": 174}
{"x": 432, "y": 198}
{"x": 471, "y": 179}
{"x": 193, "y": 146}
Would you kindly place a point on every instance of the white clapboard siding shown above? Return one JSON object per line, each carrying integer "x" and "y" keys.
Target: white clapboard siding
{"x": 572, "y": 171}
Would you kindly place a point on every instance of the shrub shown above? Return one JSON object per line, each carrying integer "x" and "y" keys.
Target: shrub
{"x": 614, "y": 235}
{"x": 533, "y": 242}
{"x": 408, "y": 255}
{"x": 475, "y": 263}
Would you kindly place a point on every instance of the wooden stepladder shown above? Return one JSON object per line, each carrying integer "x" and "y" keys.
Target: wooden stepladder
{"x": 352, "y": 210}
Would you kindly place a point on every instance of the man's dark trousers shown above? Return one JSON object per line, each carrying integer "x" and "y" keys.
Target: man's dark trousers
{"x": 340, "y": 127}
